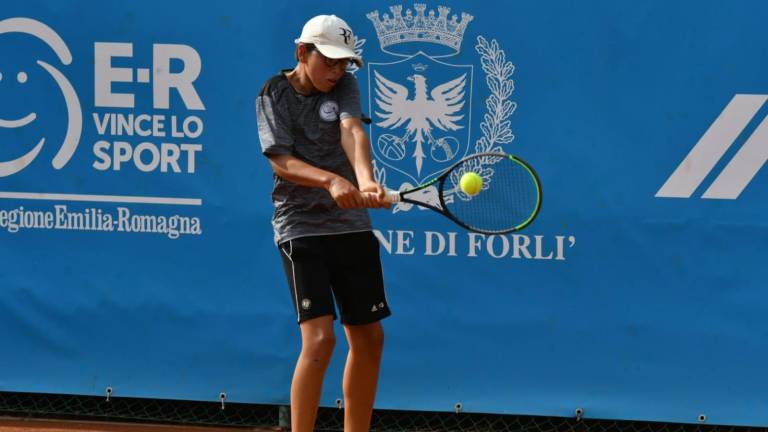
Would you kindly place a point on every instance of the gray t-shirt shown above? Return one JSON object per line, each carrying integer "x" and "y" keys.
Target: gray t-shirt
{"x": 307, "y": 127}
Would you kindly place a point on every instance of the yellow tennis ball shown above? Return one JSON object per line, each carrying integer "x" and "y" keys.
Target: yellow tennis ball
{"x": 471, "y": 183}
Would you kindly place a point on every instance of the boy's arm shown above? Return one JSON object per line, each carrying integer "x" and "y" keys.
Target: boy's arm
{"x": 301, "y": 173}
{"x": 357, "y": 147}
{"x": 276, "y": 137}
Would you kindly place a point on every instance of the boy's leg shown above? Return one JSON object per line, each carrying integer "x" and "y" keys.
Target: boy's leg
{"x": 361, "y": 374}
{"x": 308, "y": 280}
{"x": 317, "y": 342}
{"x": 358, "y": 285}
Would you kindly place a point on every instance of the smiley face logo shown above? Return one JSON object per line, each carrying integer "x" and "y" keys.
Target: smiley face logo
{"x": 74, "y": 113}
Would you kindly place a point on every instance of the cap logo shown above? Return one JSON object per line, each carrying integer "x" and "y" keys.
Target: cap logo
{"x": 346, "y": 34}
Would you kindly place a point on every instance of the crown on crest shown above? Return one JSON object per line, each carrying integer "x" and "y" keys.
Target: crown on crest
{"x": 420, "y": 27}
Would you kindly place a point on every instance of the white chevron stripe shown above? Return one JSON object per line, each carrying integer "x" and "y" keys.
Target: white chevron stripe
{"x": 712, "y": 146}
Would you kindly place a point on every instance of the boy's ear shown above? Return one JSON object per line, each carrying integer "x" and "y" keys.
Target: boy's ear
{"x": 301, "y": 53}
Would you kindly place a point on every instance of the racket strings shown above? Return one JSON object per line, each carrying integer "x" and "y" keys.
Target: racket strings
{"x": 509, "y": 198}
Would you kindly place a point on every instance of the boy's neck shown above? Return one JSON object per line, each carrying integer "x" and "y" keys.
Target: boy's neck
{"x": 300, "y": 81}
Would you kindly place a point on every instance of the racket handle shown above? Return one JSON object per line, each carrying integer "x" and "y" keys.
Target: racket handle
{"x": 393, "y": 197}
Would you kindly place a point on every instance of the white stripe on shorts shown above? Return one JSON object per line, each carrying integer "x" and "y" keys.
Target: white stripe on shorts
{"x": 293, "y": 272}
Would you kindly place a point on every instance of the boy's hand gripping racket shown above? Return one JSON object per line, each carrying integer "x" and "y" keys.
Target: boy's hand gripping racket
{"x": 488, "y": 193}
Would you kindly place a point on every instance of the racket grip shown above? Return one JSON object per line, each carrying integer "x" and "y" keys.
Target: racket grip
{"x": 393, "y": 197}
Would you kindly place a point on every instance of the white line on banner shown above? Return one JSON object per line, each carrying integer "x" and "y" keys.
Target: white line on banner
{"x": 101, "y": 198}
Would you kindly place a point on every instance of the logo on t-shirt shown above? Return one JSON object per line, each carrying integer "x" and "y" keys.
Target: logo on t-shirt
{"x": 329, "y": 110}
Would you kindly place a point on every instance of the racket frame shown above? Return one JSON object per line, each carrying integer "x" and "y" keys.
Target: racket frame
{"x": 400, "y": 196}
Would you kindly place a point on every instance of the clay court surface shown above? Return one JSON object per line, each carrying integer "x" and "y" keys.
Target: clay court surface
{"x": 29, "y": 425}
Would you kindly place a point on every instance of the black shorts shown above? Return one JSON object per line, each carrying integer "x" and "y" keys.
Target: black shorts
{"x": 341, "y": 266}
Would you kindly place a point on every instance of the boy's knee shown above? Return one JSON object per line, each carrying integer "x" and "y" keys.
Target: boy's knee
{"x": 377, "y": 338}
{"x": 320, "y": 345}
{"x": 369, "y": 341}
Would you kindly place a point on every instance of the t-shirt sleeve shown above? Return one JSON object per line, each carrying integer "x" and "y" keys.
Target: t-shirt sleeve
{"x": 349, "y": 97}
{"x": 274, "y": 125}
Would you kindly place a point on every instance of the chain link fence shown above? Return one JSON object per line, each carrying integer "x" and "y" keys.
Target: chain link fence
{"x": 329, "y": 419}
{"x": 136, "y": 410}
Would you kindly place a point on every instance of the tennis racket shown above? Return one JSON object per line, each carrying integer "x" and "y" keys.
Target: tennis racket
{"x": 510, "y": 198}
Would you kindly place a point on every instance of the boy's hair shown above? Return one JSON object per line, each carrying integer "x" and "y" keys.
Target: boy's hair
{"x": 308, "y": 46}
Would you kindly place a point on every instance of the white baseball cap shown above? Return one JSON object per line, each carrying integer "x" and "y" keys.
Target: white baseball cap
{"x": 332, "y": 37}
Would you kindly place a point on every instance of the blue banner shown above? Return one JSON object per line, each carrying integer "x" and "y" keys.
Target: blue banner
{"x": 135, "y": 235}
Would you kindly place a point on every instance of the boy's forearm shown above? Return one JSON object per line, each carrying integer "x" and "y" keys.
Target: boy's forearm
{"x": 299, "y": 172}
{"x": 363, "y": 165}
{"x": 357, "y": 147}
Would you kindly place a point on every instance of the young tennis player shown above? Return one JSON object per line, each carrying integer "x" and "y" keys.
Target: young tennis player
{"x": 310, "y": 129}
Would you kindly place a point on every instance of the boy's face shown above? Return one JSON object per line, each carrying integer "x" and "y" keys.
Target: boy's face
{"x": 323, "y": 72}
